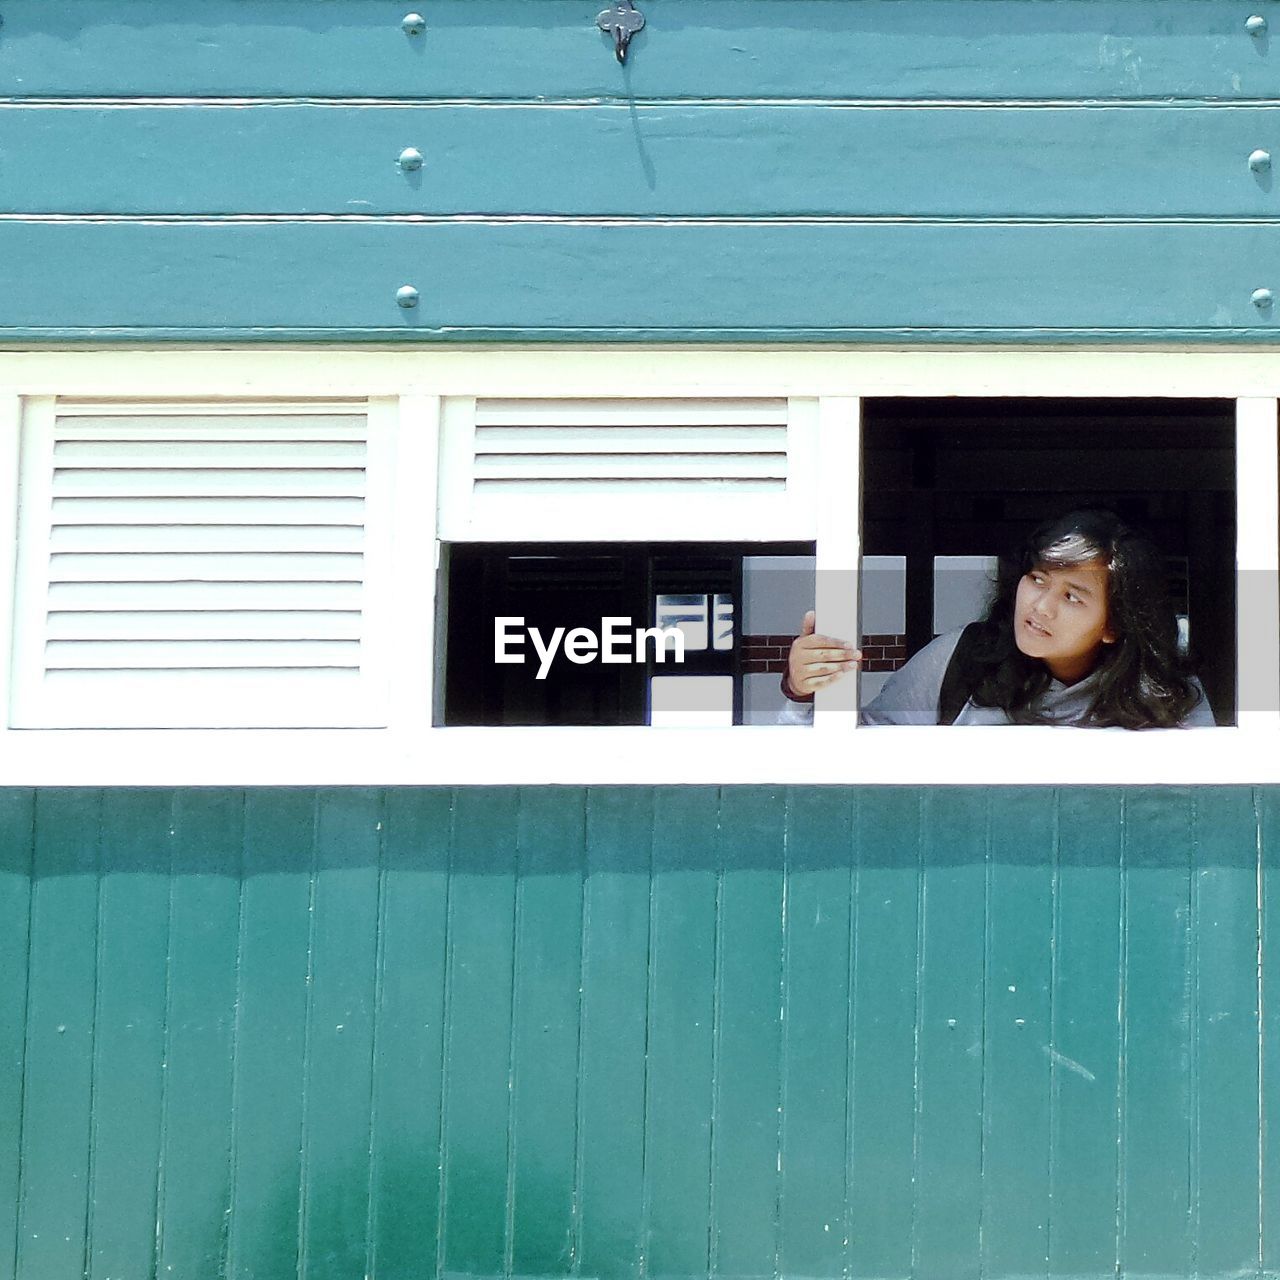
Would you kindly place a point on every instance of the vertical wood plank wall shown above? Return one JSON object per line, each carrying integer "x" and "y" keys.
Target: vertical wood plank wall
{"x": 625, "y": 1032}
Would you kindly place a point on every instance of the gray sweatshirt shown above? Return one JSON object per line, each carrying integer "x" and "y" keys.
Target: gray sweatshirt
{"x": 910, "y": 696}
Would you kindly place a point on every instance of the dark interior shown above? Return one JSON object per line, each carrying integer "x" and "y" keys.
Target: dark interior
{"x": 568, "y": 585}
{"x": 976, "y": 476}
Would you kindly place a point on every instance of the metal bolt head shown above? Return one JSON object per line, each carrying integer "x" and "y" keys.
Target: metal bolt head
{"x": 410, "y": 159}
{"x": 1260, "y": 161}
{"x": 1261, "y": 299}
{"x": 407, "y": 296}
{"x": 414, "y": 24}
{"x": 1255, "y": 25}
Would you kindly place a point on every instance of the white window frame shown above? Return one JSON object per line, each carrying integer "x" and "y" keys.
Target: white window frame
{"x": 410, "y": 751}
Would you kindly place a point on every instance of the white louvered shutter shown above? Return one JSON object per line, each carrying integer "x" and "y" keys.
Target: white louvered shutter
{"x": 207, "y": 565}
{"x": 685, "y": 468}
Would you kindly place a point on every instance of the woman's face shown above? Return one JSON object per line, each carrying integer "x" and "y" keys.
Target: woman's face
{"x": 1060, "y": 616}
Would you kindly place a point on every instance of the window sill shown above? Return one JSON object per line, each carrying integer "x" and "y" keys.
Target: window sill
{"x": 756, "y": 755}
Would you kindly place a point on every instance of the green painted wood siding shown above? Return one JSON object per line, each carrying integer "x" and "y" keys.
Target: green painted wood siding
{"x": 616, "y": 1032}
{"x": 847, "y": 170}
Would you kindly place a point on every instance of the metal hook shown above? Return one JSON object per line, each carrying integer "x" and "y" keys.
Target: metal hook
{"x": 623, "y": 21}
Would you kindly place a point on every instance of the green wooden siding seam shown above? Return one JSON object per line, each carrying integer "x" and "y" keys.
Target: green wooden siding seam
{"x": 1260, "y": 1007}
{"x": 95, "y": 1041}
{"x": 446, "y": 1026}
{"x": 166, "y": 1077}
{"x": 921, "y": 812}
{"x": 379, "y": 959}
{"x": 1122, "y": 1070}
{"x": 308, "y": 1032}
{"x": 228, "y": 1237}
{"x": 1055, "y": 934}
{"x": 1194, "y": 926}
{"x": 21, "y": 1048}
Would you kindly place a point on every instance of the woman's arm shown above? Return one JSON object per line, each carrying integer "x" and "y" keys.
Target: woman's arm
{"x": 909, "y": 696}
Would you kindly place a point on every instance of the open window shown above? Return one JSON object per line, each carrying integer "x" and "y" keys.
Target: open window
{"x": 668, "y": 633}
{"x": 938, "y": 490}
{"x": 665, "y": 512}
{"x": 950, "y": 484}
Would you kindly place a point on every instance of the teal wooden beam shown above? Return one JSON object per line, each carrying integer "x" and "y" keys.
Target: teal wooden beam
{"x": 515, "y": 280}
{"x": 671, "y": 159}
{"x": 689, "y": 48}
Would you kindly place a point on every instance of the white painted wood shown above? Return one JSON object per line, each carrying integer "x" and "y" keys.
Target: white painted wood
{"x": 229, "y": 624}
{"x": 302, "y": 565}
{"x": 380, "y": 585}
{"x": 652, "y": 467}
{"x": 196, "y": 483}
{"x": 839, "y": 549}
{"x": 170, "y": 538}
{"x": 119, "y": 627}
{"x": 10, "y": 444}
{"x": 239, "y": 415}
{"x": 200, "y": 453}
{"x": 633, "y": 413}
{"x": 635, "y": 440}
{"x": 201, "y": 596}
{"x": 603, "y": 517}
{"x": 222, "y": 652}
{"x": 274, "y": 372}
{"x": 208, "y": 699}
{"x": 1257, "y": 564}
{"x": 803, "y": 462}
{"x": 177, "y": 511}
{"x": 454, "y": 478}
{"x": 614, "y": 469}
{"x": 412, "y": 576}
{"x": 638, "y": 756}
{"x": 31, "y": 582}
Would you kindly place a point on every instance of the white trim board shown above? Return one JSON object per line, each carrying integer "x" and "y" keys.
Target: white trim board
{"x": 277, "y": 372}
{"x": 973, "y": 756}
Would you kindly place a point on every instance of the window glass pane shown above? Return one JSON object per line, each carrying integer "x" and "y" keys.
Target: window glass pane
{"x": 961, "y": 589}
{"x": 723, "y": 622}
{"x": 688, "y": 615}
{"x": 776, "y": 592}
{"x": 698, "y": 702}
{"x": 563, "y": 633}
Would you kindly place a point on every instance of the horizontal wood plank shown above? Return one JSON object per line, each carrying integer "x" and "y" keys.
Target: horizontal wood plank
{"x": 848, "y": 280}
{"x": 644, "y": 160}
{"x": 702, "y": 48}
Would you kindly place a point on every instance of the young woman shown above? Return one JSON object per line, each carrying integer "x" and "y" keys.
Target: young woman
{"x": 1080, "y": 632}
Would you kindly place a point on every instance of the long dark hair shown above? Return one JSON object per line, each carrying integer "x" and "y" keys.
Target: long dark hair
{"x": 1141, "y": 680}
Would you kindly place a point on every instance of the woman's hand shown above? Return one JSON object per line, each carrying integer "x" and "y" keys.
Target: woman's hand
{"x": 815, "y": 661}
